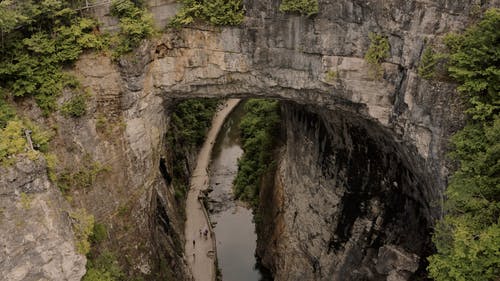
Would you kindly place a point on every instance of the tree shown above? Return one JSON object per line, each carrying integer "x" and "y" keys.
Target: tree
{"x": 468, "y": 238}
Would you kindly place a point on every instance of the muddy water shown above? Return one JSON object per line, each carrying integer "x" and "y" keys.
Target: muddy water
{"x": 234, "y": 229}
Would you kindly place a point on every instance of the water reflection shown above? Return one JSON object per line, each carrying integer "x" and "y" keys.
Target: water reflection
{"x": 235, "y": 231}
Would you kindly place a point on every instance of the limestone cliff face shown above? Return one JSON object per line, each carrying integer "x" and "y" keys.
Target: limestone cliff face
{"x": 36, "y": 241}
{"x": 350, "y": 203}
{"x": 133, "y": 199}
{"x": 123, "y": 130}
{"x": 270, "y": 55}
{"x": 290, "y": 57}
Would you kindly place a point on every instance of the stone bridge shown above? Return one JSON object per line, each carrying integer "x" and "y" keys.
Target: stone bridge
{"x": 320, "y": 61}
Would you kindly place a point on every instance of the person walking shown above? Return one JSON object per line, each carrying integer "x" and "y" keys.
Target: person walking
{"x": 194, "y": 243}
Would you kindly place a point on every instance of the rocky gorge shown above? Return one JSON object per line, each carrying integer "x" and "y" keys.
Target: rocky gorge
{"x": 360, "y": 178}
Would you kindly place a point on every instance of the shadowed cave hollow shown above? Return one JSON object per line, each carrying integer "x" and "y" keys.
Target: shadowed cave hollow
{"x": 363, "y": 192}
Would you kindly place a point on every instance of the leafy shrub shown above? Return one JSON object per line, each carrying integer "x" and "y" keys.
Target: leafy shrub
{"x": 136, "y": 24}
{"x": 13, "y": 140}
{"x": 433, "y": 65}
{"x": 258, "y": 127}
{"x": 99, "y": 233}
{"x": 83, "y": 224}
{"x": 75, "y": 107}
{"x": 305, "y": 7}
{"x": 94, "y": 274}
{"x": 216, "y": 12}
{"x": 378, "y": 51}
{"x": 51, "y": 160}
{"x": 104, "y": 267}
{"x": 428, "y": 64}
{"x": 83, "y": 177}
{"x": 331, "y": 75}
{"x": 46, "y": 37}
{"x": 474, "y": 61}
{"x": 101, "y": 123}
{"x": 468, "y": 238}
{"x": 191, "y": 120}
{"x": 6, "y": 113}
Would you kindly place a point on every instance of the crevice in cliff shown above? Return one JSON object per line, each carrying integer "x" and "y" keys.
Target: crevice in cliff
{"x": 164, "y": 171}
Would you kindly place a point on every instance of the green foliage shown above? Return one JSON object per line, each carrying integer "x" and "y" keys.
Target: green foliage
{"x": 259, "y": 127}
{"x": 101, "y": 123}
{"x": 179, "y": 190}
{"x": 13, "y": 140}
{"x": 99, "y": 233}
{"x": 473, "y": 62}
{"x": 6, "y": 113}
{"x": 83, "y": 224}
{"x": 216, "y": 12}
{"x": 9, "y": 18}
{"x": 304, "y": 7}
{"x": 51, "y": 160}
{"x": 433, "y": 65}
{"x": 468, "y": 238}
{"x": 83, "y": 177}
{"x": 378, "y": 51}
{"x": 191, "y": 120}
{"x": 104, "y": 267}
{"x": 46, "y": 36}
{"x": 428, "y": 64}
{"x": 331, "y": 75}
{"x": 76, "y": 106}
{"x": 189, "y": 124}
{"x": 136, "y": 24}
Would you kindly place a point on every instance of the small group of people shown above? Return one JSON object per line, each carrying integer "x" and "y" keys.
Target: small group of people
{"x": 204, "y": 232}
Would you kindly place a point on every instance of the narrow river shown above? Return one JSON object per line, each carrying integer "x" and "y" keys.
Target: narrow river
{"x": 234, "y": 228}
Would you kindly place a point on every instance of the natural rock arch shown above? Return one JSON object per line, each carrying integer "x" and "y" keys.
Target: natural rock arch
{"x": 292, "y": 58}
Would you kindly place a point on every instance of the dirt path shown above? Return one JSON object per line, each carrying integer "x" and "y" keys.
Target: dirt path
{"x": 201, "y": 254}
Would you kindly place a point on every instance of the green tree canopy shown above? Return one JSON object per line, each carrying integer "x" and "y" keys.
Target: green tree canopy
{"x": 38, "y": 39}
{"x": 468, "y": 238}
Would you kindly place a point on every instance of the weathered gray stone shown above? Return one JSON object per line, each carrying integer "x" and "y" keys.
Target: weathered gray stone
{"x": 36, "y": 238}
{"x": 271, "y": 55}
{"x": 393, "y": 258}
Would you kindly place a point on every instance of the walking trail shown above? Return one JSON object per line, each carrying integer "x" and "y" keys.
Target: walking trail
{"x": 202, "y": 263}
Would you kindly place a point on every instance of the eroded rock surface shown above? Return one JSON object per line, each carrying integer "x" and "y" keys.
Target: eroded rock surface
{"x": 314, "y": 61}
{"x": 36, "y": 238}
{"x": 351, "y": 202}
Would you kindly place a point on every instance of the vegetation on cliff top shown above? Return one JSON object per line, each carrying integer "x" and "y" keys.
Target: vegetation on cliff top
{"x": 215, "y": 12}
{"x": 136, "y": 24}
{"x": 468, "y": 237}
{"x": 259, "y": 128}
{"x": 40, "y": 38}
{"x": 304, "y": 7}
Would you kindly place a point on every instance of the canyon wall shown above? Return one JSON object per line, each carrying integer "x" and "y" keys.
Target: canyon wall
{"x": 396, "y": 121}
{"x": 36, "y": 240}
{"x": 349, "y": 202}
